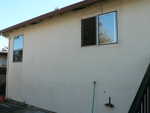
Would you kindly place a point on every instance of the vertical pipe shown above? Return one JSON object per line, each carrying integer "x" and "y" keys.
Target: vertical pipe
{"x": 93, "y": 100}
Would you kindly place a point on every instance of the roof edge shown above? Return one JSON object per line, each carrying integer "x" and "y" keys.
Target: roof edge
{"x": 50, "y": 14}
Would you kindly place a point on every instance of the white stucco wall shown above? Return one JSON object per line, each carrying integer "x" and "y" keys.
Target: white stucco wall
{"x": 57, "y": 73}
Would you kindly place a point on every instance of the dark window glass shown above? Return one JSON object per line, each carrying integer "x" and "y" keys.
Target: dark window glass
{"x": 17, "y": 56}
{"x": 18, "y": 48}
{"x": 89, "y": 31}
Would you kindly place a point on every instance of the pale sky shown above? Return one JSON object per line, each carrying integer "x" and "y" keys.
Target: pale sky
{"x": 16, "y": 11}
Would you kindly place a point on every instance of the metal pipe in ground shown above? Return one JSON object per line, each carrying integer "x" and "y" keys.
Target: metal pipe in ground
{"x": 93, "y": 100}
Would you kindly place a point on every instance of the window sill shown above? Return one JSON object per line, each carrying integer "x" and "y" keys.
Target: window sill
{"x": 98, "y": 45}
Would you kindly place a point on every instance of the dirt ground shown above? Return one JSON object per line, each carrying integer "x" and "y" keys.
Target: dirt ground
{"x": 10, "y": 107}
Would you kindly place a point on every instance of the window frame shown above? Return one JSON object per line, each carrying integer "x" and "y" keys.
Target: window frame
{"x": 116, "y": 28}
{"x": 83, "y": 33}
{"x": 97, "y": 29}
{"x": 17, "y": 61}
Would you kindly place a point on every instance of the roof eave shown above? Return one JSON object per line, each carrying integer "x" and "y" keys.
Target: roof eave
{"x": 79, "y": 5}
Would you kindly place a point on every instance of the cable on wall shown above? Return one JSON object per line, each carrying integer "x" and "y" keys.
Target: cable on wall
{"x": 101, "y": 5}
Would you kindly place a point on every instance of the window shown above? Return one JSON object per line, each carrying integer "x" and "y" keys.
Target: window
{"x": 89, "y": 31}
{"x": 101, "y": 29}
{"x": 18, "y": 48}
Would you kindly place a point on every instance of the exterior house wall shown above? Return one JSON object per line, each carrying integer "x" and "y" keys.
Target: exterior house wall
{"x": 58, "y": 74}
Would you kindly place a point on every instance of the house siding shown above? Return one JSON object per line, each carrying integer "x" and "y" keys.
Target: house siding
{"x": 57, "y": 73}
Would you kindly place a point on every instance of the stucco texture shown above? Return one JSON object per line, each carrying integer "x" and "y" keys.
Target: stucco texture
{"x": 57, "y": 73}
